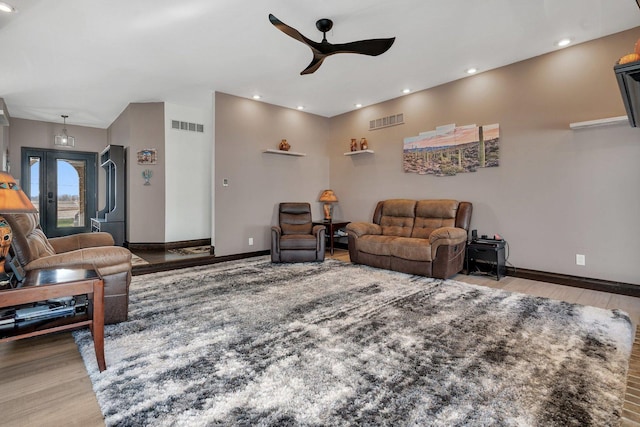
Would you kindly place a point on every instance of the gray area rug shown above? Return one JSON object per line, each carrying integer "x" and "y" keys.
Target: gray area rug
{"x": 254, "y": 343}
{"x": 136, "y": 260}
{"x": 193, "y": 250}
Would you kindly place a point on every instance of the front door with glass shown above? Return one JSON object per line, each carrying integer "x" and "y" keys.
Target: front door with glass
{"x": 62, "y": 186}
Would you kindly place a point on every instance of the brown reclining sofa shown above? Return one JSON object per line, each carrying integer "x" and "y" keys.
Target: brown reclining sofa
{"x": 423, "y": 237}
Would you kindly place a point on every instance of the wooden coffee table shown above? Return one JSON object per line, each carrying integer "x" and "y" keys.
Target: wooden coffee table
{"x": 42, "y": 285}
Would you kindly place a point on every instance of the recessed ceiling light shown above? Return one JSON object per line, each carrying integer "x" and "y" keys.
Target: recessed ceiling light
{"x": 472, "y": 70}
{"x": 257, "y": 97}
{"x": 407, "y": 90}
{"x": 358, "y": 105}
{"x": 300, "y": 107}
{"x": 563, "y": 42}
{"x": 7, "y": 8}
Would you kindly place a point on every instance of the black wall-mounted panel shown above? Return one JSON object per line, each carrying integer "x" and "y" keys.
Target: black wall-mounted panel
{"x": 628, "y": 76}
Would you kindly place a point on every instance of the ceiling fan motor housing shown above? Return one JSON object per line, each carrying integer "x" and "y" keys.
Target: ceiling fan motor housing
{"x": 324, "y": 24}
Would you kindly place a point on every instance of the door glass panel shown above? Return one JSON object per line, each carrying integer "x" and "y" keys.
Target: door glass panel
{"x": 34, "y": 181}
{"x": 71, "y": 193}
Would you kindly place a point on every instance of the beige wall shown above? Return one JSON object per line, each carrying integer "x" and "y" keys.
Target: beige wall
{"x": 556, "y": 193}
{"x": 258, "y": 181}
{"x": 141, "y": 125}
{"x": 37, "y": 134}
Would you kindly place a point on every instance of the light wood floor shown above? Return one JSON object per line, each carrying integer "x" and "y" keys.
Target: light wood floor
{"x": 43, "y": 381}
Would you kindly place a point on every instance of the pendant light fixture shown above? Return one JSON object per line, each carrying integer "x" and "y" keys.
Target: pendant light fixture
{"x": 63, "y": 139}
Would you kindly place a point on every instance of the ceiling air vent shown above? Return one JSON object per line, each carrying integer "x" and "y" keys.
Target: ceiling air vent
{"x": 192, "y": 127}
{"x": 384, "y": 122}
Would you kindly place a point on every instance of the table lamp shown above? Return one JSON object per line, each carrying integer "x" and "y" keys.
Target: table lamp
{"x": 12, "y": 200}
{"x": 328, "y": 197}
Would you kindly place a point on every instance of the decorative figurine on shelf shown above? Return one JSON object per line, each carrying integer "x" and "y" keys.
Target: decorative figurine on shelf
{"x": 354, "y": 145}
{"x": 147, "y": 174}
{"x": 364, "y": 145}
{"x": 284, "y": 145}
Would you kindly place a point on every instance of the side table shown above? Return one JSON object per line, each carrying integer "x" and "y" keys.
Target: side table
{"x": 42, "y": 285}
{"x": 332, "y": 227}
{"x": 486, "y": 257}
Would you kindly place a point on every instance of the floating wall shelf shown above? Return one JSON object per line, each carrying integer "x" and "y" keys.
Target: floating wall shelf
{"x": 353, "y": 153}
{"x": 600, "y": 122}
{"x": 284, "y": 153}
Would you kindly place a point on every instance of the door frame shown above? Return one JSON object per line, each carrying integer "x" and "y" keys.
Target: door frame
{"x": 48, "y": 183}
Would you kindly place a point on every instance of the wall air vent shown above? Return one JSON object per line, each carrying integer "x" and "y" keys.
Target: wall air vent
{"x": 385, "y": 122}
{"x": 192, "y": 127}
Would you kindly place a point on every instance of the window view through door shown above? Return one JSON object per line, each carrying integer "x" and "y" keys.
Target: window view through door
{"x": 62, "y": 186}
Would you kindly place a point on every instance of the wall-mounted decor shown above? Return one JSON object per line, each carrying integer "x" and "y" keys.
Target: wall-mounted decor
{"x": 147, "y": 156}
{"x": 284, "y": 145}
{"x": 146, "y": 175}
{"x": 452, "y": 149}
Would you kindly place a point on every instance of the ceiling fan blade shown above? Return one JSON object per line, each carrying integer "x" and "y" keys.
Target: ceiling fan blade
{"x": 372, "y": 47}
{"x": 292, "y": 32}
{"x": 314, "y": 65}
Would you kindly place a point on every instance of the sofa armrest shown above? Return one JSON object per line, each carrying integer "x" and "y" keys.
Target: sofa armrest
{"x": 446, "y": 236}
{"x": 359, "y": 229}
{"x": 317, "y": 229}
{"x": 106, "y": 260}
{"x": 80, "y": 241}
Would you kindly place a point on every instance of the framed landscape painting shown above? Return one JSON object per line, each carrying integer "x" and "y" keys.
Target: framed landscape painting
{"x": 450, "y": 149}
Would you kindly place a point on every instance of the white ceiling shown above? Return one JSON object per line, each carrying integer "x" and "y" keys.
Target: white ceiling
{"x": 90, "y": 58}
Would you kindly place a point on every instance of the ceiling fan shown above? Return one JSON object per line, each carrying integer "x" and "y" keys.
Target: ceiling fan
{"x": 372, "y": 47}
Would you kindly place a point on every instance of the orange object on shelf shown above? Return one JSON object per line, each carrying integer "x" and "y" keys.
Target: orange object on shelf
{"x": 632, "y": 57}
{"x": 637, "y": 48}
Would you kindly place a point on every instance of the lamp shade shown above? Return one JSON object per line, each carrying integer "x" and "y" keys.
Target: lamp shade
{"x": 12, "y": 198}
{"x": 328, "y": 196}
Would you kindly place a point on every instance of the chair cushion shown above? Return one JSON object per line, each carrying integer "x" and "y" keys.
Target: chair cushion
{"x": 375, "y": 245}
{"x": 398, "y": 217}
{"x": 295, "y": 218}
{"x": 30, "y": 243}
{"x": 433, "y": 214}
{"x": 411, "y": 248}
{"x": 298, "y": 241}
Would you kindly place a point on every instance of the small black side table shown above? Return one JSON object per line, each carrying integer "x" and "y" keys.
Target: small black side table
{"x": 486, "y": 257}
{"x": 332, "y": 227}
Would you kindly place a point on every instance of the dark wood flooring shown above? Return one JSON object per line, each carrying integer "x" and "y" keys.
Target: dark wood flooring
{"x": 169, "y": 260}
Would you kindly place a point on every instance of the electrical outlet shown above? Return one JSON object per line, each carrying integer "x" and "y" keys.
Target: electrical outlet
{"x": 250, "y": 241}
{"x": 225, "y": 182}
{"x": 580, "y": 259}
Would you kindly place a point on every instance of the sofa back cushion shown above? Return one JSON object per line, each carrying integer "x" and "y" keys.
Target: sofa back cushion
{"x": 295, "y": 218}
{"x": 29, "y": 241}
{"x": 397, "y": 217}
{"x": 432, "y": 214}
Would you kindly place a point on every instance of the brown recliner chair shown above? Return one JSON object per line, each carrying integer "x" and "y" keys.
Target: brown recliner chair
{"x": 83, "y": 250}
{"x": 296, "y": 239}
